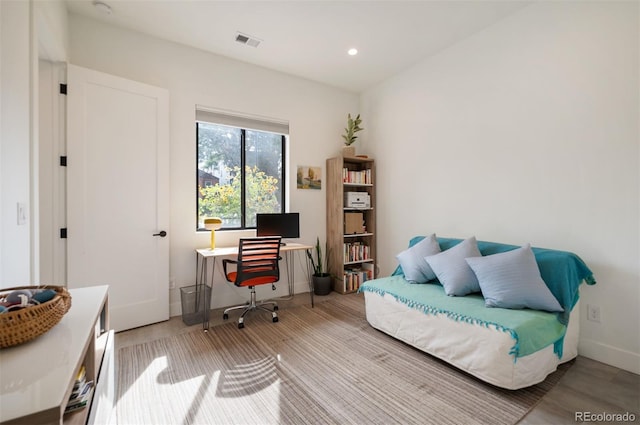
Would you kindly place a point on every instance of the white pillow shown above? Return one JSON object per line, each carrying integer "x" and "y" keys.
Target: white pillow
{"x": 512, "y": 280}
{"x": 414, "y": 266}
{"x": 452, "y": 270}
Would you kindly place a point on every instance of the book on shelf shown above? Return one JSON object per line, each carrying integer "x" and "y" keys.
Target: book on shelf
{"x": 80, "y": 377}
{"x": 80, "y": 398}
{"x": 355, "y": 251}
{"x": 80, "y": 393}
{"x": 354, "y": 278}
{"x": 356, "y": 177}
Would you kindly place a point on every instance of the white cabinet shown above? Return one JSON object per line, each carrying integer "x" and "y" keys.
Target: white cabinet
{"x": 36, "y": 378}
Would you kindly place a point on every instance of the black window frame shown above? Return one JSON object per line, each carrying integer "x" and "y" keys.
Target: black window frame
{"x": 243, "y": 149}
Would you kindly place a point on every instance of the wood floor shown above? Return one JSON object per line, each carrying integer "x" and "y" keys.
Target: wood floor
{"x": 588, "y": 386}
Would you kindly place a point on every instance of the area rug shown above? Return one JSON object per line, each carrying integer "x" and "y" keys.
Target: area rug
{"x": 321, "y": 365}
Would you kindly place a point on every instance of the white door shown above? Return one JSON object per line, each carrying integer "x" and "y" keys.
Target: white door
{"x": 118, "y": 193}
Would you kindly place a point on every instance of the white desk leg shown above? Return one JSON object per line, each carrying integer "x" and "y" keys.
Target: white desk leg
{"x": 207, "y": 301}
{"x": 310, "y": 274}
{"x": 201, "y": 284}
{"x": 290, "y": 266}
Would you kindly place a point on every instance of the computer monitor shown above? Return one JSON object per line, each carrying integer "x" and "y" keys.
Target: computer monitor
{"x": 286, "y": 225}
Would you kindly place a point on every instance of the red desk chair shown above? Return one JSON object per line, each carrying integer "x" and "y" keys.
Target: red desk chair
{"x": 257, "y": 264}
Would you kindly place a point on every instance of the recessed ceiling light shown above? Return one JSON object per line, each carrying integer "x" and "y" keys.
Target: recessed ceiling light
{"x": 352, "y": 52}
{"x": 101, "y": 7}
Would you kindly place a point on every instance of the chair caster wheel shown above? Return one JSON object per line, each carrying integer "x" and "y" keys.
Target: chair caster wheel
{"x": 275, "y": 308}
{"x": 240, "y": 325}
{"x": 275, "y": 319}
{"x": 225, "y": 316}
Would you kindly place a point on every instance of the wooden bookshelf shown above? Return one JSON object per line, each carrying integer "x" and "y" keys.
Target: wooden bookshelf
{"x": 351, "y": 252}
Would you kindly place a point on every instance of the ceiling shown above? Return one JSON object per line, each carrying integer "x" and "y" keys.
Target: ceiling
{"x": 310, "y": 38}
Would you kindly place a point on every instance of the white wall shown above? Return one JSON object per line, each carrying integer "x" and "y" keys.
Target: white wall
{"x": 525, "y": 132}
{"x": 50, "y": 19}
{"x": 316, "y": 114}
{"x": 27, "y": 29}
{"x": 15, "y": 141}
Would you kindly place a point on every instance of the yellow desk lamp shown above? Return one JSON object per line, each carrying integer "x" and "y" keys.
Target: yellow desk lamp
{"x": 213, "y": 224}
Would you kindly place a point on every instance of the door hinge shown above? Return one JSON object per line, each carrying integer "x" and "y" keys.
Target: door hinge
{"x": 63, "y": 161}
{"x": 63, "y": 89}
{"x": 63, "y": 233}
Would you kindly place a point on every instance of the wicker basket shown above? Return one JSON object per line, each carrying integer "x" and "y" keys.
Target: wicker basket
{"x": 17, "y": 327}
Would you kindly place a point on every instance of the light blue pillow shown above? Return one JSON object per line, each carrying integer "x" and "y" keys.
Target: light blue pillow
{"x": 452, "y": 270}
{"x": 414, "y": 266}
{"x": 512, "y": 280}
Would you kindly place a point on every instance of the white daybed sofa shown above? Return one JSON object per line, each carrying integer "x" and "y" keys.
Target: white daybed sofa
{"x": 492, "y": 350}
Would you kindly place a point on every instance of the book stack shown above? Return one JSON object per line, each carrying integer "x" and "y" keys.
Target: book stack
{"x": 356, "y": 177}
{"x": 355, "y": 251}
{"x": 81, "y": 392}
{"x": 353, "y": 278}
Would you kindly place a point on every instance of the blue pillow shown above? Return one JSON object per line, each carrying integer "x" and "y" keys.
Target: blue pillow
{"x": 512, "y": 280}
{"x": 414, "y": 266}
{"x": 452, "y": 270}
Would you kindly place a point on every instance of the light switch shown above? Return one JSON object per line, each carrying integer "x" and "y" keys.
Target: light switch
{"x": 22, "y": 213}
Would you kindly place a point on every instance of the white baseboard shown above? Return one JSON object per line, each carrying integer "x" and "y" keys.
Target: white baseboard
{"x": 610, "y": 355}
{"x": 175, "y": 309}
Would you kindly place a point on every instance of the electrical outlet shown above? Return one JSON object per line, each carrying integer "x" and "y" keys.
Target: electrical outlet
{"x": 593, "y": 313}
{"x": 172, "y": 283}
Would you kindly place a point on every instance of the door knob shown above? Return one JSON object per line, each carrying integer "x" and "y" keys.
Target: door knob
{"x": 162, "y": 234}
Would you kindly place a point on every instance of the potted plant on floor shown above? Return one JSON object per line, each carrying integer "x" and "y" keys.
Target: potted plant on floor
{"x": 321, "y": 279}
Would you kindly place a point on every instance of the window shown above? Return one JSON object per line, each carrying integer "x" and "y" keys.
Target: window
{"x": 241, "y": 168}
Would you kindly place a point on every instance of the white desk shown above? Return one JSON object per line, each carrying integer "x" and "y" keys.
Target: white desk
{"x": 205, "y": 254}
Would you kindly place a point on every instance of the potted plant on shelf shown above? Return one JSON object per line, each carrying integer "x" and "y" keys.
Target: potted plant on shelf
{"x": 353, "y": 126}
{"x": 321, "y": 279}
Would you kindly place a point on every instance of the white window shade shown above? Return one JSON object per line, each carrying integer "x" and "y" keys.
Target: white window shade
{"x": 235, "y": 119}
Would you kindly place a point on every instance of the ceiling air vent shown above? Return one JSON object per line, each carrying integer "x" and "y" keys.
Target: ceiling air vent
{"x": 248, "y": 40}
